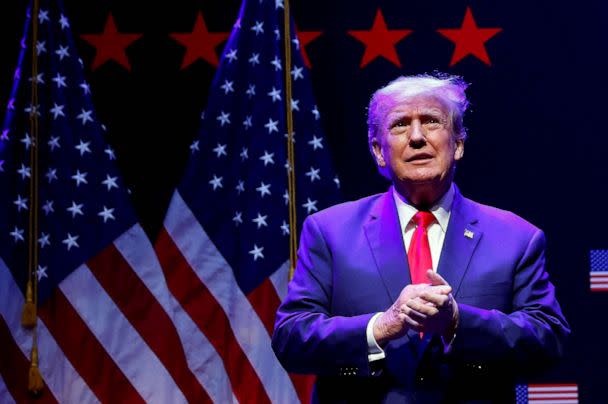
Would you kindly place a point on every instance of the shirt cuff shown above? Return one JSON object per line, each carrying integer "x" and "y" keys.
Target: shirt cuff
{"x": 374, "y": 352}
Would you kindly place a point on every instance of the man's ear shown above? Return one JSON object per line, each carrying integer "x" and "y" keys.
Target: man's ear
{"x": 377, "y": 150}
{"x": 459, "y": 152}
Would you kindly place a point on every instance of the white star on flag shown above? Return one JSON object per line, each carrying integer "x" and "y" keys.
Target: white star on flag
{"x": 51, "y": 174}
{"x": 267, "y": 158}
{"x": 24, "y": 171}
{"x": 48, "y": 207}
{"x": 21, "y": 203}
{"x": 59, "y": 80}
{"x": 75, "y": 209}
{"x": 43, "y": 16}
{"x": 110, "y": 182}
{"x": 260, "y": 220}
{"x": 285, "y": 228}
{"x": 216, "y": 182}
{"x": 240, "y": 187}
{"x": 311, "y": 206}
{"x": 27, "y": 141}
{"x": 85, "y": 87}
{"x": 54, "y": 143}
{"x": 41, "y": 272}
{"x": 80, "y": 178}
{"x": 295, "y": 105}
{"x": 227, "y": 87}
{"x": 254, "y": 59}
{"x": 71, "y": 241}
{"x": 244, "y": 153}
{"x": 275, "y": 94}
{"x": 63, "y": 21}
{"x": 17, "y": 234}
{"x": 224, "y": 118}
{"x": 276, "y": 62}
{"x": 85, "y": 115}
{"x": 62, "y": 52}
{"x": 106, "y": 214}
{"x": 263, "y": 189}
{"x": 110, "y": 152}
{"x": 313, "y": 174}
{"x": 257, "y": 252}
{"x": 247, "y": 122}
{"x": 237, "y": 219}
{"x": 250, "y": 90}
{"x": 83, "y": 147}
{"x": 316, "y": 142}
{"x": 258, "y": 28}
{"x": 220, "y": 150}
{"x": 271, "y": 126}
{"x": 231, "y": 56}
{"x": 194, "y": 146}
{"x": 44, "y": 240}
{"x": 296, "y": 73}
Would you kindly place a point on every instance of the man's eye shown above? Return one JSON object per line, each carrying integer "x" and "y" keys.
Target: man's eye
{"x": 399, "y": 124}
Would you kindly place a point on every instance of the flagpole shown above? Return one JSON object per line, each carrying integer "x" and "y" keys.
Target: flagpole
{"x": 29, "y": 315}
{"x": 291, "y": 183}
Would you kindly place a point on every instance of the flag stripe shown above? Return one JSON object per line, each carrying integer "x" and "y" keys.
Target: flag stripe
{"x": 202, "y": 359}
{"x": 210, "y": 318}
{"x": 14, "y": 368}
{"x": 96, "y": 367}
{"x": 550, "y": 401}
{"x": 280, "y": 279}
{"x": 60, "y": 376}
{"x": 214, "y": 272}
{"x": 265, "y": 302}
{"x": 139, "y": 307}
{"x": 5, "y": 395}
{"x": 553, "y": 387}
{"x": 552, "y": 395}
{"x": 119, "y": 338}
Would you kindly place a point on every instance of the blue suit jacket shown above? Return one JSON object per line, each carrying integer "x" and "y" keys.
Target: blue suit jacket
{"x": 352, "y": 263}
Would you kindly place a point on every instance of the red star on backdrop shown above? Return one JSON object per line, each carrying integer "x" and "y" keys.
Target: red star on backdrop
{"x": 305, "y": 38}
{"x": 200, "y": 43}
{"x": 380, "y": 41}
{"x": 110, "y": 45}
{"x": 469, "y": 39}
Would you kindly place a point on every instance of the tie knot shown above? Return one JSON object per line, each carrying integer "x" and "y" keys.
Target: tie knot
{"x": 423, "y": 219}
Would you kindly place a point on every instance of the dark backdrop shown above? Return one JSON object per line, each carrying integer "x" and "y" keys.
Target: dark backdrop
{"x": 537, "y": 122}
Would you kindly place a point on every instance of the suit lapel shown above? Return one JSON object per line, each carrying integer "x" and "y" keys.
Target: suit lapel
{"x": 461, "y": 238}
{"x": 383, "y": 233}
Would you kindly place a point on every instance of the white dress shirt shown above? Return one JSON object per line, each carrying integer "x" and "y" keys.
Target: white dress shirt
{"x": 436, "y": 234}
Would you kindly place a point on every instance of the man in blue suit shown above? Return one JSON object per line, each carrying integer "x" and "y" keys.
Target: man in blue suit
{"x": 418, "y": 294}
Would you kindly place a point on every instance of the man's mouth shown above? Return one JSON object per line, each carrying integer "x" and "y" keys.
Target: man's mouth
{"x": 419, "y": 157}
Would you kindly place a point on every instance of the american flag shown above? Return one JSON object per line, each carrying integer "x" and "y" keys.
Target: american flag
{"x": 224, "y": 246}
{"x": 546, "y": 393}
{"x": 106, "y": 328}
{"x": 598, "y": 274}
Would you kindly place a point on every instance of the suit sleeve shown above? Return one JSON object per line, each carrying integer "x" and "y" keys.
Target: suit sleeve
{"x": 533, "y": 332}
{"x": 307, "y": 338}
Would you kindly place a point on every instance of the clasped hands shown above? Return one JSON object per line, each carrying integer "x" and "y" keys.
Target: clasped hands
{"x": 427, "y": 308}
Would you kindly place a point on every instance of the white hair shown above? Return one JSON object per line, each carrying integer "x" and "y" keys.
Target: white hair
{"x": 449, "y": 90}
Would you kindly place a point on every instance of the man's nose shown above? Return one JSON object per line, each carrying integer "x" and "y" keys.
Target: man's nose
{"x": 417, "y": 138}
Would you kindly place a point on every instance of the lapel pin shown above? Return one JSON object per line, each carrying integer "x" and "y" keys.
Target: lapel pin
{"x": 468, "y": 233}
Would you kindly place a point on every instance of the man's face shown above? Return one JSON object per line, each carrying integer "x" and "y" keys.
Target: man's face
{"x": 415, "y": 143}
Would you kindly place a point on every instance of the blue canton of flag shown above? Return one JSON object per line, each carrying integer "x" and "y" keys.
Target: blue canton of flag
{"x": 598, "y": 274}
{"x": 225, "y": 242}
{"x": 83, "y": 203}
{"x": 106, "y": 328}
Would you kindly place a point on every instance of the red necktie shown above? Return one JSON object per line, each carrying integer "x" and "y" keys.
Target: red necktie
{"x": 419, "y": 254}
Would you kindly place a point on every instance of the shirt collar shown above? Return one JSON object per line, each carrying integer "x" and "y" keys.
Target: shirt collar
{"x": 441, "y": 210}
